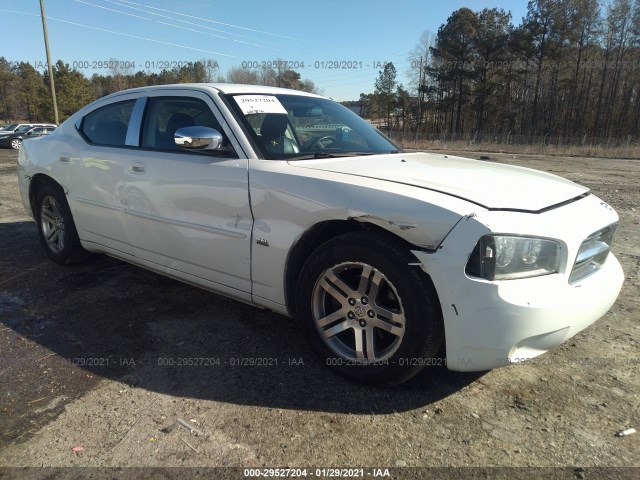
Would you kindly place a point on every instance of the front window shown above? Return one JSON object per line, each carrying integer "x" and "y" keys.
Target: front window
{"x": 298, "y": 127}
{"x": 165, "y": 115}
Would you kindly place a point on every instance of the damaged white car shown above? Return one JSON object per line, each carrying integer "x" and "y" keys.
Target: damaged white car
{"x": 291, "y": 202}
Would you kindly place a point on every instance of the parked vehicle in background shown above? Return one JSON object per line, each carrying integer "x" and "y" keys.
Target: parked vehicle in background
{"x": 291, "y": 202}
{"x": 14, "y": 127}
{"x": 14, "y": 140}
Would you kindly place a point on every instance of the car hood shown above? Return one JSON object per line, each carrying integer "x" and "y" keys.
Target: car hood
{"x": 491, "y": 185}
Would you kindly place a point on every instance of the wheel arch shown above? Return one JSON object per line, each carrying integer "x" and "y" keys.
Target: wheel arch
{"x": 37, "y": 181}
{"x": 322, "y": 232}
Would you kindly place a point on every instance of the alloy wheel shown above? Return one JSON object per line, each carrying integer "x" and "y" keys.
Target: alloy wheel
{"x": 358, "y": 313}
{"x": 52, "y": 222}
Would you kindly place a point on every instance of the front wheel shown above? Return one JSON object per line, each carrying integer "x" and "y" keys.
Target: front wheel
{"x": 366, "y": 312}
{"x": 16, "y": 143}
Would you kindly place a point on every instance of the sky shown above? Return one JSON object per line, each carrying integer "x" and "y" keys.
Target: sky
{"x": 356, "y": 36}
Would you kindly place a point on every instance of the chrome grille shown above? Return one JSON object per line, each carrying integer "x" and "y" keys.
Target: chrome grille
{"x": 593, "y": 253}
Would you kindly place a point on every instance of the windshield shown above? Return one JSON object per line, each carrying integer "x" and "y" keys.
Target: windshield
{"x": 297, "y": 127}
{"x": 9, "y": 127}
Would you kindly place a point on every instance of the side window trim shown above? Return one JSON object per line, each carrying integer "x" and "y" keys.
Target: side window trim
{"x": 135, "y": 123}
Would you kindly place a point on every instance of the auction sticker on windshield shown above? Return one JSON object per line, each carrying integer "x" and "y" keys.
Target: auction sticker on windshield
{"x": 252, "y": 104}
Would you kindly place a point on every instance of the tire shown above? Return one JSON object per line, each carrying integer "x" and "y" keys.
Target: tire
{"x": 57, "y": 230}
{"x": 16, "y": 143}
{"x": 367, "y": 313}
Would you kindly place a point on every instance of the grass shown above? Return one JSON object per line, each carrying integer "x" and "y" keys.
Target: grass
{"x": 631, "y": 151}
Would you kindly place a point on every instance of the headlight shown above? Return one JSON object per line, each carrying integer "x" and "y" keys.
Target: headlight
{"x": 506, "y": 257}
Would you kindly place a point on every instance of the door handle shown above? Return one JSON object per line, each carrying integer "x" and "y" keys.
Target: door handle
{"x": 137, "y": 167}
{"x": 64, "y": 157}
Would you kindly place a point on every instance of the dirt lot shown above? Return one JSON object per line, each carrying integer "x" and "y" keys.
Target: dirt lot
{"x": 91, "y": 357}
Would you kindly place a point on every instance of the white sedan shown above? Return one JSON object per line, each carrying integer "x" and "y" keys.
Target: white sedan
{"x": 291, "y": 202}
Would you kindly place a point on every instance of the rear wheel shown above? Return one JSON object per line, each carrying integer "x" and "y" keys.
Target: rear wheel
{"x": 57, "y": 230}
{"x": 366, "y": 312}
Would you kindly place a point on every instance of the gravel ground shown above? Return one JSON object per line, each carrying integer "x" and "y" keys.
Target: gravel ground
{"x": 96, "y": 370}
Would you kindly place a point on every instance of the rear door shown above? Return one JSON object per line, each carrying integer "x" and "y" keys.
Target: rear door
{"x": 97, "y": 174}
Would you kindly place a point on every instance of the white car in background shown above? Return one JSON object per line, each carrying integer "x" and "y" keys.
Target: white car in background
{"x": 291, "y": 202}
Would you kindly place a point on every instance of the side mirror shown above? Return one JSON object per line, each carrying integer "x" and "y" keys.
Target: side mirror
{"x": 198, "y": 138}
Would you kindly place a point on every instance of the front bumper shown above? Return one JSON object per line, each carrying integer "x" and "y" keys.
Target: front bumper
{"x": 493, "y": 324}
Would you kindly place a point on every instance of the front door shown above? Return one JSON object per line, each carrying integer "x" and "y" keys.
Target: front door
{"x": 188, "y": 211}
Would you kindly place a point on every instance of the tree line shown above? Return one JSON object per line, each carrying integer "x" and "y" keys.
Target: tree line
{"x": 570, "y": 69}
{"x": 25, "y": 93}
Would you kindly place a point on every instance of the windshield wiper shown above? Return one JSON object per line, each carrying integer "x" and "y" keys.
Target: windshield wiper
{"x": 324, "y": 154}
{"x": 334, "y": 153}
{"x": 339, "y": 153}
{"x": 321, "y": 154}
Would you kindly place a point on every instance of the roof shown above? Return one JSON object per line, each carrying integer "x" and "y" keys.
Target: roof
{"x": 230, "y": 88}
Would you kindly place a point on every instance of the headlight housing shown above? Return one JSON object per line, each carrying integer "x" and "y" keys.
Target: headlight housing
{"x": 507, "y": 257}
{"x": 593, "y": 253}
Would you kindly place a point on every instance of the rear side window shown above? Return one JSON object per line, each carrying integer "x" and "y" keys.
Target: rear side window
{"x": 108, "y": 125}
